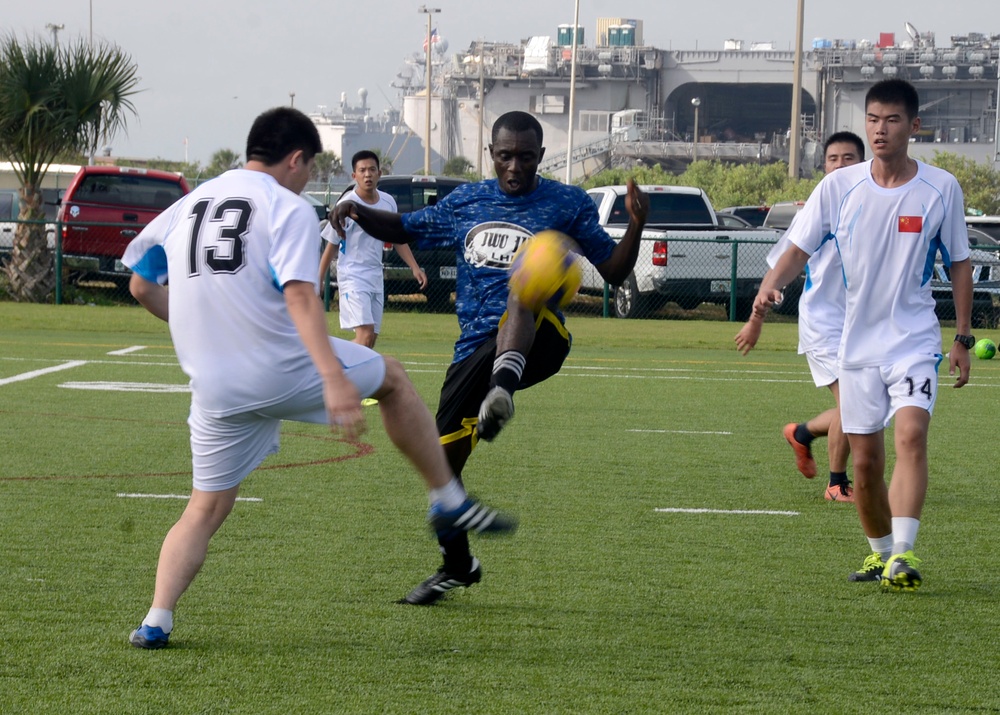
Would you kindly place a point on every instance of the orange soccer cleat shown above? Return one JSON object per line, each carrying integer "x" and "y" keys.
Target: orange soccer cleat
{"x": 803, "y": 455}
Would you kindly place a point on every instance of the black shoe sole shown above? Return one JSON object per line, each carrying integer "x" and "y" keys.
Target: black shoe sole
{"x": 434, "y": 595}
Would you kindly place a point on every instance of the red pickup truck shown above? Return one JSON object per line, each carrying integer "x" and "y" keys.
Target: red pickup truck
{"x": 104, "y": 208}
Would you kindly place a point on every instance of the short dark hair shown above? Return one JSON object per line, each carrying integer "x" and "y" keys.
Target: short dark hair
{"x": 845, "y": 138}
{"x": 278, "y": 132}
{"x": 895, "y": 91}
{"x": 517, "y": 122}
{"x": 365, "y": 154}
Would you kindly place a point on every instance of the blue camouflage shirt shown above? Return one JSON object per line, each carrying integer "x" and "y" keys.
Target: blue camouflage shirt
{"x": 486, "y": 227}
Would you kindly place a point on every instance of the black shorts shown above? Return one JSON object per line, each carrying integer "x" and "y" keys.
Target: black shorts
{"x": 466, "y": 383}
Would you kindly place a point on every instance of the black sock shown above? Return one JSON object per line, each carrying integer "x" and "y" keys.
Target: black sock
{"x": 507, "y": 369}
{"x": 457, "y": 555}
{"x": 803, "y": 435}
{"x": 838, "y": 479}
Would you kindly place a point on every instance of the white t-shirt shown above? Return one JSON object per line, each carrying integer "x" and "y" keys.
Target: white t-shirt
{"x": 823, "y": 299}
{"x": 887, "y": 240}
{"x": 359, "y": 262}
{"x": 227, "y": 249}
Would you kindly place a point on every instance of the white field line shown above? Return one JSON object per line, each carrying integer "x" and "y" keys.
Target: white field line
{"x": 126, "y": 386}
{"x": 126, "y": 351}
{"x": 43, "y": 371}
{"x": 175, "y": 496}
{"x": 764, "y": 512}
{"x": 675, "y": 431}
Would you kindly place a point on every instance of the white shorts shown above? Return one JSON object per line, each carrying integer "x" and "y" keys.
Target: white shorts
{"x": 823, "y": 366}
{"x": 224, "y": 450}
{"x": 870, "y": 396}
{"x": 359, "y": 308}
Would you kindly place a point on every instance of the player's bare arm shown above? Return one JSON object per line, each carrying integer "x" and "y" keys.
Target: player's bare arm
{"x": 747, "y": 338}
{"x": 407, "y": 255}
{"x": 151, "y": 296}
{"x": 383, "y": 225}
{"x": 343, "y": 403}
{"x": 328, "y": 258}
{"x": 788, "y": 267}
{"x": 622, "y": 260}
{"x": 961, "y": 288}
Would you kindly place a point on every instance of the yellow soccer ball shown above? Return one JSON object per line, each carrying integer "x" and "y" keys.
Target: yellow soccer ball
{"x": 545, "y": 272}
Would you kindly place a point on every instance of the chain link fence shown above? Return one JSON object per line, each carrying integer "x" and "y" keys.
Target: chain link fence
{"x": 686, "y": 279}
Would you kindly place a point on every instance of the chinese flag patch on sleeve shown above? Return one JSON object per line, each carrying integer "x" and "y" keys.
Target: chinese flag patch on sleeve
{"x": 911, "y": 224}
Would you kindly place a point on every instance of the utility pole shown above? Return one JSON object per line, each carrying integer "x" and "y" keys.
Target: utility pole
{"x": 427, "y": 139}
{"x": 482, "y": 113}
{"x": 796, "y": 125}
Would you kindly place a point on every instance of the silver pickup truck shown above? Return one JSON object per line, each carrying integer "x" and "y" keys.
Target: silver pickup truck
{"x": 685, "y": 256}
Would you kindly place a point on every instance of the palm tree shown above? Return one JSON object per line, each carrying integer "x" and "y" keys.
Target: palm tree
{"x": 222, "y": 161}
{"x": 54, "y": 100}
{"x": 327, "y": 165}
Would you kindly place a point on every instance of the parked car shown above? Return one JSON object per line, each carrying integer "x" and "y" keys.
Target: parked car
{"x": 985, "y": 257}
{"x": 986, "y": 224}
{"x": 684, "y": 255}
{"x": 321, "y": 209}
{"x": 104, "y": 208}
{"x": 412, "y": 193}
{"x": 732, "y": 221}
{"x": 10, "y": 207}
{"x": 781, "y": 214}
{"x": 753, "y": 215}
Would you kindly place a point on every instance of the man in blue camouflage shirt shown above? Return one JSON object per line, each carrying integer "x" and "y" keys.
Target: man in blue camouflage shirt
{"x": 503, "y": 346}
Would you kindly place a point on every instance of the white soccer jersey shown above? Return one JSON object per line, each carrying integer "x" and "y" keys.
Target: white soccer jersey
{"x": 823, "y": 299}
{"x": 226, "y": 249}
{"x": 359, "y": 262}
{"x": 887, "y": 240}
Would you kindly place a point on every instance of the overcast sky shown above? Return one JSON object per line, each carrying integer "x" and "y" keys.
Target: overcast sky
{"x": 208, "y": 67}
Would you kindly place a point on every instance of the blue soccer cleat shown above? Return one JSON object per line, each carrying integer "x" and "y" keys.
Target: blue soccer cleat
{"x": 149, "y": 637}
{"x": 471, "y": 517}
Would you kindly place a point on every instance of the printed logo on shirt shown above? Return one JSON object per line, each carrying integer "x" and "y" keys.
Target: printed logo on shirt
{"x": 492, "y": 244}
{"x": 911, "y": 224}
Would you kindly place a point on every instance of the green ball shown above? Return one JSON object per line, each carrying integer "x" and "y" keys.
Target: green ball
{"x": 985, "y": 349}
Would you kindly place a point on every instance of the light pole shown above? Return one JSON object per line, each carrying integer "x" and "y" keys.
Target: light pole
{"x": 427, "y": 117}
{"x": 291, "y": 99}
{"x": 695, "y": 102}
{"x": 572, "y": 93}
{"x": 54, "y": 29}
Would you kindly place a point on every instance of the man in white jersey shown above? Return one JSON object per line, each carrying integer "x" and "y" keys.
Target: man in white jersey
{"x": 240, "y": 254}
{"x": 359, "y": 256}
{"x": 821, "y": 321}
{"x": 888, "y": 218}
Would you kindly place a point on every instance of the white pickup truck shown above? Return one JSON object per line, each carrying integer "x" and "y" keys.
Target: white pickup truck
{"x": 685, "y": 256}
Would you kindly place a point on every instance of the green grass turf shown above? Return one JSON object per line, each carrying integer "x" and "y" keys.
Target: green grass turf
{"x": 599, "y": 604}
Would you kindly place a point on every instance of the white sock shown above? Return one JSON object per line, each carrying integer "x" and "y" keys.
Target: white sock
{"x": 450, "y": 496}
{"x": 882, "y": 545}
{"x": 161, "y": 618}
{"x": 904, "y": 529}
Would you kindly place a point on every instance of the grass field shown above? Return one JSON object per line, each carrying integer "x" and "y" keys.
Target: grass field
{"x": 600, "y": 603}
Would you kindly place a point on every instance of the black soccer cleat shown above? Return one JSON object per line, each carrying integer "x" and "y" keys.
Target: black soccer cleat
{"x": 496, "y": 411}
{"x": 437, "y": 586}
{"x": 472, "y": 517}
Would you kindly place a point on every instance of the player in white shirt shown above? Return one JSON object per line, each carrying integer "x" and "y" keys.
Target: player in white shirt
{"x": 359, "y": 256}
{"x": 888, "y": 218}
{"x": 241, "y": 255}
{"x": 821, "y": 321}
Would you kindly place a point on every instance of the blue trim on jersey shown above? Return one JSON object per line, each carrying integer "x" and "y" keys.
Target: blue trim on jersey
{"x": 933, "y": 247}
{"x": 274, "y": 279}
{"x": 153, "y": 265}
